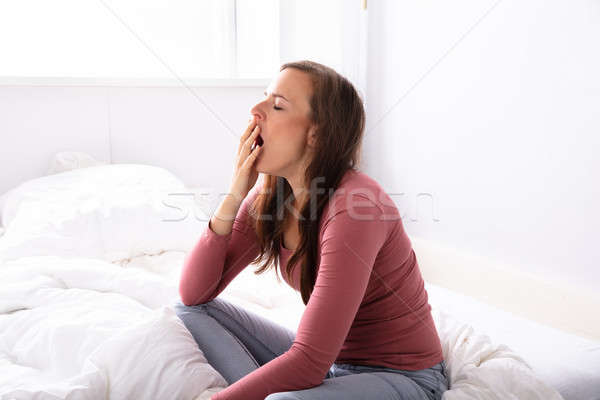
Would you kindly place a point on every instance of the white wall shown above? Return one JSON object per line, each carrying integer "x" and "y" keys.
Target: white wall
{"x": 36, "y": 123}
{"x": 184, "y": 130}
{"x": 498, "y": 119}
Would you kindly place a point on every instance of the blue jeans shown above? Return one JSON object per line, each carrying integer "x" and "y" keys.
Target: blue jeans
{"x": 236, "y": 341}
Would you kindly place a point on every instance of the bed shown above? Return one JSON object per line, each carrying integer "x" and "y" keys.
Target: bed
{"x": 89, "y": 269}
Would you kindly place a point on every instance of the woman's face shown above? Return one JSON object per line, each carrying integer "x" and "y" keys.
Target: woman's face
{"x": 283, "y": 117}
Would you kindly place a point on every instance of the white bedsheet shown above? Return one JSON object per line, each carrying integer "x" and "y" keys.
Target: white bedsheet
{"x": 68, "y": 327}
{"x": 568, "y": 363}
{"x": 89, "y": 329}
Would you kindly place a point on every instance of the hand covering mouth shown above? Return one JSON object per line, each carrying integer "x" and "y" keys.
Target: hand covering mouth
{"x": 257, "y": 142}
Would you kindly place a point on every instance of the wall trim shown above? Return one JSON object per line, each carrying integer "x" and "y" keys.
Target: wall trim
{"x": 133, "y": 82}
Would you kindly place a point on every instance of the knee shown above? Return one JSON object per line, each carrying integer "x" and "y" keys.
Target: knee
{"x": 282, "y": 396}
{"x": 178, "y": 305}
{"x": 181, "y": 308}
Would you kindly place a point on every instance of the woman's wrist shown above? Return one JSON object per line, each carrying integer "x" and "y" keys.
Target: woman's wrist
{"x": 217, "y": 216}
{"x": 224, "y": 215}
{"x": 235, "y": 196}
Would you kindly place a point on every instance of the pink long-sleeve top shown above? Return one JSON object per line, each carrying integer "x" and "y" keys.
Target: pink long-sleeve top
{"x": 369, "y": 305}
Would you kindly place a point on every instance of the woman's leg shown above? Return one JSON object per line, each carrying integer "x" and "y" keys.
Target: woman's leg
{"x": 353, "y": 382}
{"x": 235, "y": 341}
{"x": 222, "y": 349}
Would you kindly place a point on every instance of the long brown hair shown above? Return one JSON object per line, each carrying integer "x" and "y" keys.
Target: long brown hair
{"x": 338, "y": 113}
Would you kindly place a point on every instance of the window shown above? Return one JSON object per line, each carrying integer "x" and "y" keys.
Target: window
{"x": 133, "y": 39}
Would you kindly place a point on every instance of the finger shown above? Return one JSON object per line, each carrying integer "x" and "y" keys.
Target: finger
{"x": 247, "y": 133}
{"x": 250, "y": 141}
{"x": 254, "y": 151}
{"x": 251, "y": 125}
{"x": 252, "y": 156}
{"x": 246, "y": 147}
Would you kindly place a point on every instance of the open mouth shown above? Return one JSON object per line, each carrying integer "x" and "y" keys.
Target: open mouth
{"x": 257, "y": 142}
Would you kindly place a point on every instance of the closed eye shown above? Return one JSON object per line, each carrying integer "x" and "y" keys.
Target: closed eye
{"x": 277, "y": 108}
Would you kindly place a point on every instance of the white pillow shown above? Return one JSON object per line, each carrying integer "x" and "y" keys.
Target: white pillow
{"x": 111, "y": 212}
{"x": 69, "y": 160}
{"x": 155, "y": 359}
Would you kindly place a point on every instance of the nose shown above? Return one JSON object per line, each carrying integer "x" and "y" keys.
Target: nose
{"x": 257, "y": 116}
{"x": 257, "y": 112}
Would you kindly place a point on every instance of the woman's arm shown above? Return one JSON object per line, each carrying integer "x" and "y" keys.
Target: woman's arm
{"x": 223, "y": 250}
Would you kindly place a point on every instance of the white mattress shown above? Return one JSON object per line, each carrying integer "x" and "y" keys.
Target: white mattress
{"x": 568, "y": 363}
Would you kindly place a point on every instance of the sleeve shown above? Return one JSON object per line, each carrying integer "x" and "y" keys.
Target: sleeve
{"x": 216, "y": 259}
{"x": 350, "y": 244}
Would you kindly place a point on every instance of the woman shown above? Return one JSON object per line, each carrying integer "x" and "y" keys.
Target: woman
{"x": 337, "y": 238}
